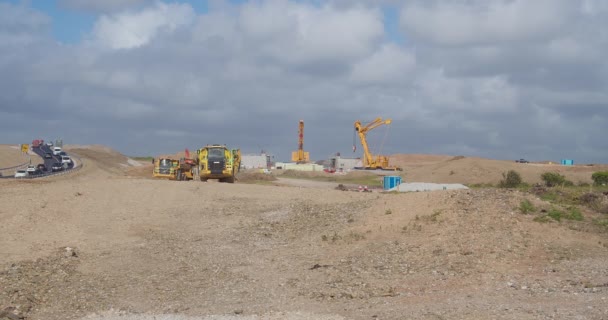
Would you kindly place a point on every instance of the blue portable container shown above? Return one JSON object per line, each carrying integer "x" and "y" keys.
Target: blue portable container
{"x": 391, "y": 182}
{"x": 567, "y": 162}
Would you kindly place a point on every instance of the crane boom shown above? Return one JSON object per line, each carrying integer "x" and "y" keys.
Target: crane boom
{"x": 369, "y": 161}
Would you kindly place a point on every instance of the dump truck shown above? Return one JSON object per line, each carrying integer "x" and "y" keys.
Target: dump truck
{"x": 218, "y": 162}
{"x": 173, "y": 169}
{"x": 165, "y": 168}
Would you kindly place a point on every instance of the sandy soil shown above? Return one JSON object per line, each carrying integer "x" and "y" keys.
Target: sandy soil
{"x": 101, "y": 244}
{"x": 11, "y": 155}
{"x": 467, "y": 170}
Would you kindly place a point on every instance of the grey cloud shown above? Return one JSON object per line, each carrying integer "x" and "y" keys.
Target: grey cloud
{"x": 103, "y": 6}
{"x": 233, "y": 76}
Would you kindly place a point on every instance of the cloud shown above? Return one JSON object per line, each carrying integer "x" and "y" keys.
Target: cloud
{"x": 492, "y": 80}
{"x": 389, "y": 65}
{"x": 102, "y": 5}
{"x": 486, "y": 22}
{"x": 20, "y": 25}
{"x": 133, "y": 29}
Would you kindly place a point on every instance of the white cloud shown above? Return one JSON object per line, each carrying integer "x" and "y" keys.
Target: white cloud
{"x": 389, "y": 65}
{"x": 486, "y": 21}
{"x": 134, "y": 29}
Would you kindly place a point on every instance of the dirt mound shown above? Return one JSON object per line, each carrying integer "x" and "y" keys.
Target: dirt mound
{"x": 250, "y": 177}
{"x": 401, "y": 160}
{"x": 104, "y": 157}
{"x": 11, "y": 155}
{"x": 473, "y": 170}
{"x": 144, "y": 171}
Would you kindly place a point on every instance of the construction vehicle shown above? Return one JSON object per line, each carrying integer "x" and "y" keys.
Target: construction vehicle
{"x": 218, "y": 162}
{"x": 165, "y": 168}
{"x": 300, "y": 156}
{"x": 173, "y": 169}
{"x": 371, "y": 162}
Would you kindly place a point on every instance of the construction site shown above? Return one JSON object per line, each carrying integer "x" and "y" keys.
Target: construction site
{"x": 220, "y": 163}
{"x": 122, "y": 238}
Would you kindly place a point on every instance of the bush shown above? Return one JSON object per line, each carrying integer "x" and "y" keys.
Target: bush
{"x": 526, "y": 207}
{"x": 553, "y": 179}
{"x": 555, "y": 214}
{"x": 511, "y": 179}
{"x": 574, "y": 214}
{"x": 600, "y": 178}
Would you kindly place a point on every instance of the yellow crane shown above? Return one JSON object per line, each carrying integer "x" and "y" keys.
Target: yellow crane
{"x": 369, "y": 161}
{"x": 300, "y": 156}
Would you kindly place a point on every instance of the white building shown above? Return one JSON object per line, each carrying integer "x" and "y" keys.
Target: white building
{"x": 255, "y": 161}
{"x": 344, "y": 164}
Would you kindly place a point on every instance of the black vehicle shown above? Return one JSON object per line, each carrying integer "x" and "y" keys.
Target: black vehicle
{"x": 48, "y": 155}
{"x": 522, "y": 161}
{"x": 62, "y": 153}
{"x": 41, "y": 168}
{"x": 56, "y": 167}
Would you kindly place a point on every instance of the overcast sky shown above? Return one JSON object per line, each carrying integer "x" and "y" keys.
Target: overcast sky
{"x": 500, "y": 79}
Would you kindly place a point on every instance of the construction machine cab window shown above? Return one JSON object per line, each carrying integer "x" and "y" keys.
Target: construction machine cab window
{"x": 216, "y": 153}
{"x": 165, "y": 163}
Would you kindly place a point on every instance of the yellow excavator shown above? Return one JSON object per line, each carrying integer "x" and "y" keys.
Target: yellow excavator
{"x": 371, "y": 162}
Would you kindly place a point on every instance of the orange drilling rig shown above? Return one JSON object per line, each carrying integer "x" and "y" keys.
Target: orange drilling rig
{"x": 300, "y": 156}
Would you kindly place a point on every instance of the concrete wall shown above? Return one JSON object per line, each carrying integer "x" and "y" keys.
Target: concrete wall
{"x": 299, "y": 167}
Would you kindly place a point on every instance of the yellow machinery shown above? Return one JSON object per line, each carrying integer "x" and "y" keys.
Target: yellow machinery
{"x": 218, "y": 162}
{"x": 300, "y": 156}
{"x": 165, "y": 168}
{"x": 369, "y": 161}
{"x": 181, "y": 170}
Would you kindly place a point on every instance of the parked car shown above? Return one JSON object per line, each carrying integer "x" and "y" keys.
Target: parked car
{"x": 57, "y": 166}
{"x": 48, "y": 155}
{"x": 21, "y": 174}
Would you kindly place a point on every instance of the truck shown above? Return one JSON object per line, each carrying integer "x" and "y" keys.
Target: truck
{"x": 174, "y": 169}
{"x": 218, "y": 162}
{"x": 37, "y": 143}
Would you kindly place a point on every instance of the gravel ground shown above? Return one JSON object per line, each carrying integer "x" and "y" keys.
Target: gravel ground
{"x": 422, "y": 186}
{"x": 98, "y": 245}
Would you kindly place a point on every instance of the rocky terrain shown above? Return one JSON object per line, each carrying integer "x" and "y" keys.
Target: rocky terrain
{"x": 103, "y": 244}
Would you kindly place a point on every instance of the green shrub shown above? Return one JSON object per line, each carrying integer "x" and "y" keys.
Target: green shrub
{"x": 526, "y": 207}
{"x": 555, "y": 214}
{"x": 574, "y": 214}
{"x": 511, "y": 179}
{"x": 600, "y": 178}
{"x": 552, "y": 179}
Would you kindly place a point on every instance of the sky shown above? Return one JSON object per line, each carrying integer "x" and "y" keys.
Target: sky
{"x": 500, "y": 79}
